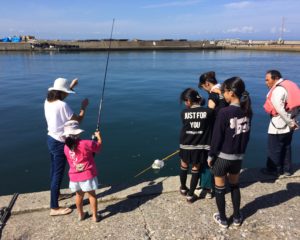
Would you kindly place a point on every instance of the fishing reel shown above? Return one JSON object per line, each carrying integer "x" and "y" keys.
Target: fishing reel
{"x": 94, "y": 138}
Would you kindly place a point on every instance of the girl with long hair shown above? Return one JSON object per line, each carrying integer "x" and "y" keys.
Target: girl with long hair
{"x": 229, "y": 142}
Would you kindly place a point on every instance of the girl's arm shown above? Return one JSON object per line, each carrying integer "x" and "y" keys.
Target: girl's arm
{"x": 211, "y": 104}
{"x": 217, "y": 137}
{"x": 96, "y": 145}
{"x": 278, "y": 100}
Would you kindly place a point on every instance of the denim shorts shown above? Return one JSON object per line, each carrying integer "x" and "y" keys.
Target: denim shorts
{"x": 85, "y": 186}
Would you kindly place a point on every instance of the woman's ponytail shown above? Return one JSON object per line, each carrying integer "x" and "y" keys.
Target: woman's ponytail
{"x": 245, "y": 102}
{"x": 237, "y": 85}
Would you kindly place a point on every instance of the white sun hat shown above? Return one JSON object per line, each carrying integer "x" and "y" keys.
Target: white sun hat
{"x": 72, "y": 128}
{"x": 61, "y": 84}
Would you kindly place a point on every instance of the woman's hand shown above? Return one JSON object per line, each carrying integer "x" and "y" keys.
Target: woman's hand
{"x": 73, "y": 83}
{"x": 84, "y": 103}
{"x": 80, "y": 116}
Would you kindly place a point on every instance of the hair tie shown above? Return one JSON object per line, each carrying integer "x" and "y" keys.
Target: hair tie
{"x": 245, "y": 93}
{"x": 245, "y": 96}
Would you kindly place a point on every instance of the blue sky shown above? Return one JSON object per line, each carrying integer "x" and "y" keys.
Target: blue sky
{"x": 145, "y": 19}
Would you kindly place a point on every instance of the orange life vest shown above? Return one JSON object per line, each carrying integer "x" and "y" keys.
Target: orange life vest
{"x": 293, "y": 97}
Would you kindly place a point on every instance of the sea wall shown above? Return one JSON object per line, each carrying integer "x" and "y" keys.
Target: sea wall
{"x": 138, "y": 45}
{"x": 15, "y": 46}
{"x": 100, "y": 45}
{"x": 262, "y": 47}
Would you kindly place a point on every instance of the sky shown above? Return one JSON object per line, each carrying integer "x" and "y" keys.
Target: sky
{"x": 151, "y": 19}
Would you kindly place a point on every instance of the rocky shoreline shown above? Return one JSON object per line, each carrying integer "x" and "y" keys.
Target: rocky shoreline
{"x": 156, "y": 210}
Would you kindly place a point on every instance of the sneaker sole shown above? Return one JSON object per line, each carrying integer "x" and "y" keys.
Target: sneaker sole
{"x": 237, "y": 225}
{"x": 208, "y": 196}
{"x": 191, "y": 199}
{"x": 183, "y": 192}
{"x": 240, "y": 223}
{"x": 221, "y": 225}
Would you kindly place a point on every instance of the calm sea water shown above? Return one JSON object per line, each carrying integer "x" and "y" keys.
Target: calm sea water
{"x": 140, "y": 119}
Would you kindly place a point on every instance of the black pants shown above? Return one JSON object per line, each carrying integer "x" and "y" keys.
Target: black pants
{"x": 280, "y": 152}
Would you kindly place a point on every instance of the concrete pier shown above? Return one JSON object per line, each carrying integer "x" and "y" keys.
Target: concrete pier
{"x": 156, "y": 210}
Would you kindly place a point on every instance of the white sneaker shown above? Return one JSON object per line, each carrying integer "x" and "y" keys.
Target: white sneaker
{"x": 198, "y": 191}
{"x": 209, "y": 194}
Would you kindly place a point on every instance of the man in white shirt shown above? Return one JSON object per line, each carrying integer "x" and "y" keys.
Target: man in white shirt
{"x": 281, "y": 128}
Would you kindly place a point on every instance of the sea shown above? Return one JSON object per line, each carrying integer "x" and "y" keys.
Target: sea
{"x": 140, "y": 118}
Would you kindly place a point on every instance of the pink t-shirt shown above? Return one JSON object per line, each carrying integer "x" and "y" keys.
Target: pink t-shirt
{"x": 81, "y": 161}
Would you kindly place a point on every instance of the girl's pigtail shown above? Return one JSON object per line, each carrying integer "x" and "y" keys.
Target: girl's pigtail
{"x": 192, "y": 95}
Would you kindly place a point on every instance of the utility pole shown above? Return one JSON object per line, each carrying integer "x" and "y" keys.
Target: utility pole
{"x": 282, "y": 30}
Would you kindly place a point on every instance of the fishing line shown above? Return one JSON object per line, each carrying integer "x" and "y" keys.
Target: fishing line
{"x": 105, "y": 73}
{"x": 157, "y": 164}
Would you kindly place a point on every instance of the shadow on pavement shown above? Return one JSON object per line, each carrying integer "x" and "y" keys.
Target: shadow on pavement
{"x": 271, "y": 200}
{"x": 149, "y": 192}
{"x": 253, "y": 175}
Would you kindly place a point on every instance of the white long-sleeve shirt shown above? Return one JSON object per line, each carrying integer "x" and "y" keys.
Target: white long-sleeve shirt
{"x": 281, "y": 123}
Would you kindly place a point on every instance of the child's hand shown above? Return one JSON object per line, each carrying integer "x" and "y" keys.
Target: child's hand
{"x": 210, "y": 161}
{"x": 97, "y": 134}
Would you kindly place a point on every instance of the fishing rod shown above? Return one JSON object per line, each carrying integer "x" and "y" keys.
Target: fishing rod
{"x": 105, "y": 73}
{"x": 6, "y": 212}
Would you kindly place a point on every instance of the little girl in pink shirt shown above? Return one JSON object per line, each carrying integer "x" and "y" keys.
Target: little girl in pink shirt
{"x": 83, "y": 171}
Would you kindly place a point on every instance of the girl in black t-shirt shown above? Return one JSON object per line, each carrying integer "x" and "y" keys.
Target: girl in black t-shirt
{"x": 228, "y": 145}
{"x": 209, "y": 83}
{"x": 216, "y": 101}
{"x": 195, "y": 139}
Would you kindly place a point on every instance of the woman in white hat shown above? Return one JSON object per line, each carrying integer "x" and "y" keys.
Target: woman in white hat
{"x": 57, "y": 113}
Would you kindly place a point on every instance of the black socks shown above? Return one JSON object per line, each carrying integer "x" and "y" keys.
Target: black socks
{"x": 183, "y": 176}
{"x": 194, "y": 181}
{"x": 236, "y": 199}
{"x": 220, "y": 200}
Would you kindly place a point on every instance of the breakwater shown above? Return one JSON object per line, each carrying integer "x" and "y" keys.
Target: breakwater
{"x": 167, "y": 44}
{"x": 103, "y": 45}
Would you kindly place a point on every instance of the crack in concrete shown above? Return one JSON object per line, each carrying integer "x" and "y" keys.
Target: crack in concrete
{"x": 148, "y": 232}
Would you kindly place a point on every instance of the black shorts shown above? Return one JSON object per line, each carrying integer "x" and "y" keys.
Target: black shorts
{"x": 193, "y": 156}
{"x": 222, "y": 166}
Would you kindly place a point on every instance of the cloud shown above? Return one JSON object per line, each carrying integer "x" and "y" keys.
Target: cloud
{"x": 238, "y": 5}
{"x": 244, "y": 29}
{"x": 173, "y": 4}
